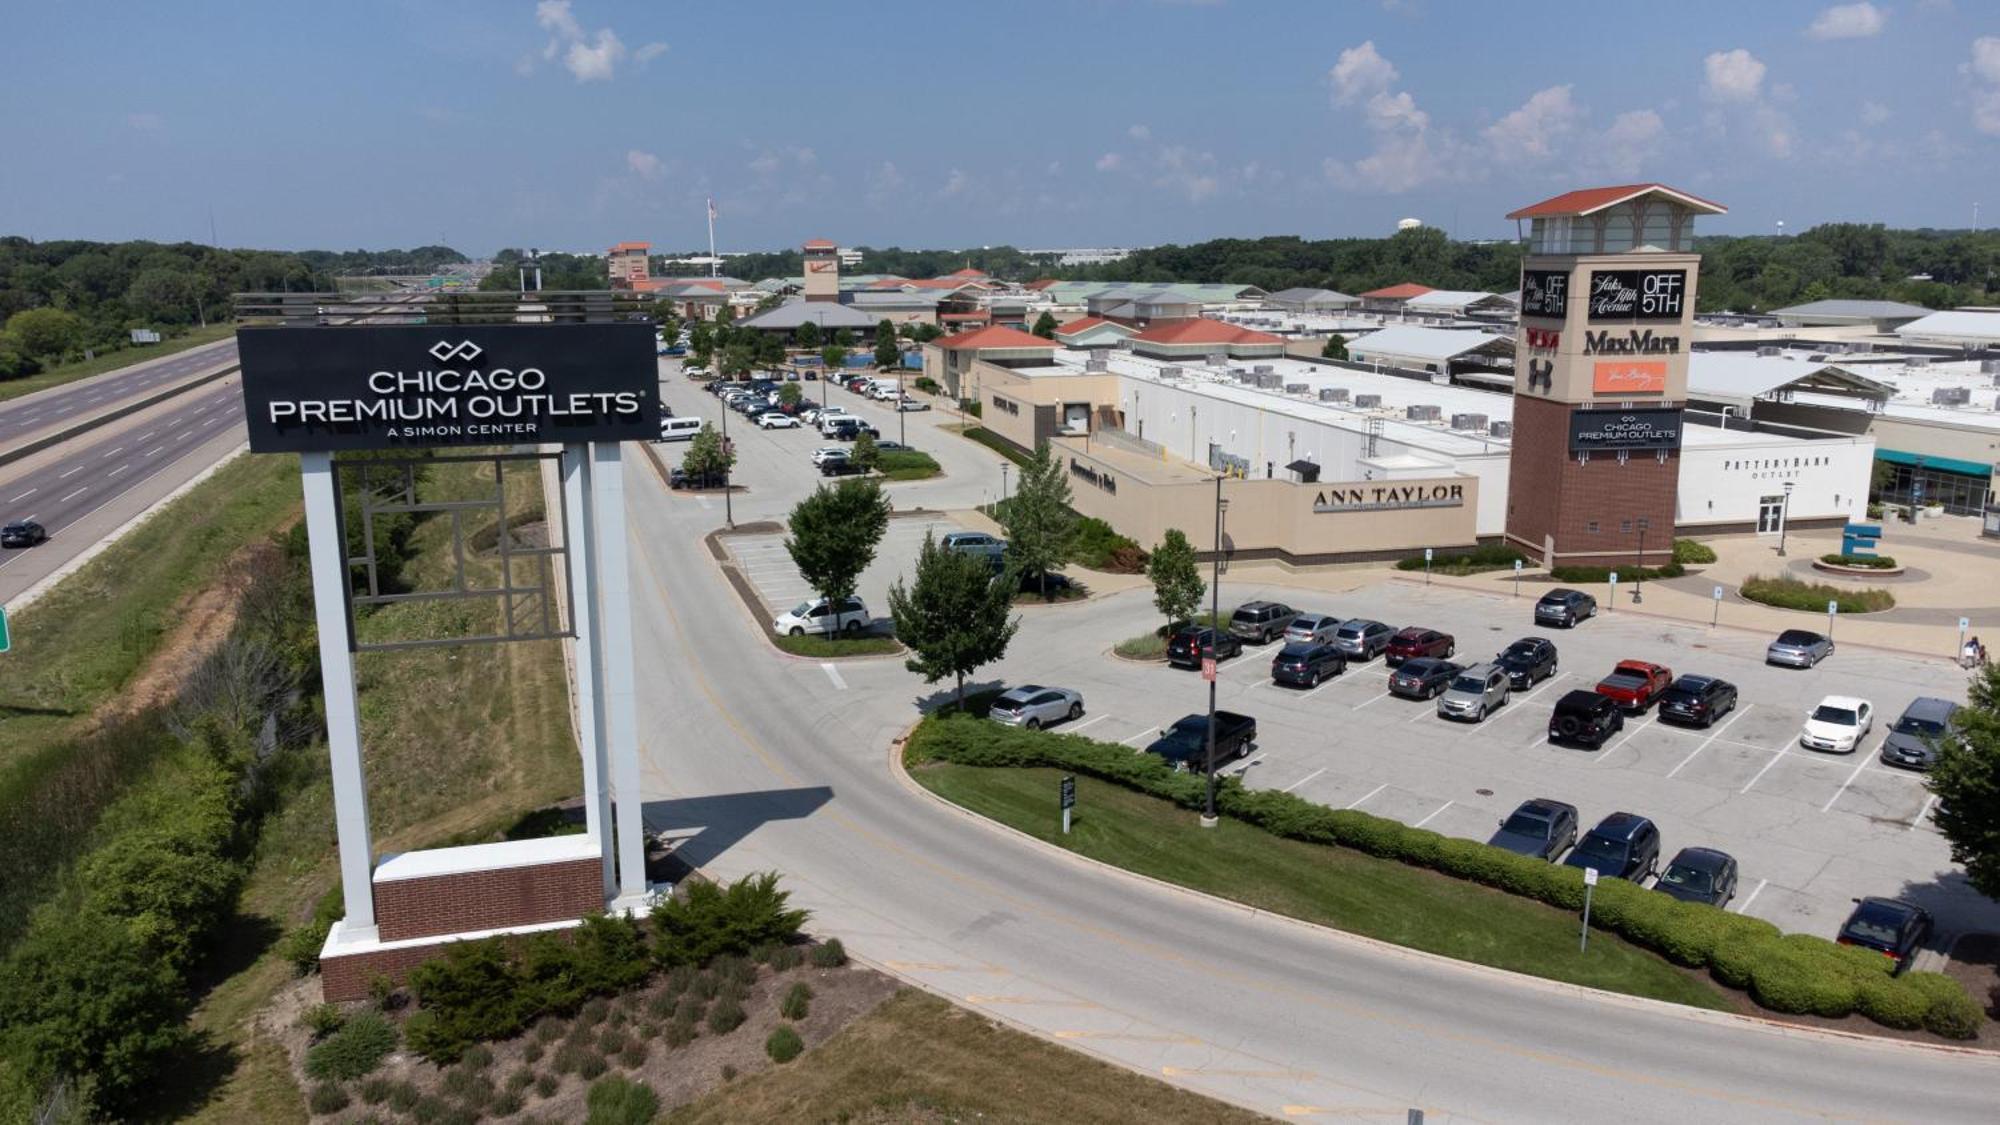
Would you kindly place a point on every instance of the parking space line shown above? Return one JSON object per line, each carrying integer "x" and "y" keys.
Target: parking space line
{"x": 1744, "y": 906}
{"x": 1850, "y": 780}
{"x": 1422, "y": 712}
{"x": 1357, "y": 802}
{"x": 1546, "y": 684}
{"x": 1737, "y": 714}
{"x": 1302, "y": 781}
{"x": 1427, "y": 819}
{"x": 1377, "y": 699}
{"x": 833, "y": 674}
{"x": 1629, "y": 736}
{"x": 1088, "y": 722}
{"x": 1922, "y": 812}
{"x": 1134, "y": 738}
{"x": 1781, "y": 752}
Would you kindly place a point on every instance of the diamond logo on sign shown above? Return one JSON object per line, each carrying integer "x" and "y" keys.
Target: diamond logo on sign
{"x": 445, "y": 351}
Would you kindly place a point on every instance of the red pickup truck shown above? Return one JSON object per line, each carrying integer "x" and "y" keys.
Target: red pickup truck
{"x": 1635, "y": 684}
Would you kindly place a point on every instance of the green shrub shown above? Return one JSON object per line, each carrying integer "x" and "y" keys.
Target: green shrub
{"x": 376, "y": 1091}
{"x": 633, "y": 1054}
{"x": 1893, "y": 1002}
{"x": 546, "y": 1085}
{"x": 322, "y": 1020}
{"x": 704, "y": 988}
{"x": 519, "y": 1078}
{"x": 1868, "y": 562}
{"x": 680, "y": 978}
{"x": 507, "y": 1104}
{"x": 591, "y": 1064}
{"x": 403, "y": 1097}
{"x": 1689, "y": 551}
{"x": 532, "y": 1051}
{"x": 353, "y": 1051}
{"x": 1787, "y": 592}
{"x": 726, "y": 1015}
{"x": 593, "y": 1013}
{"x": 326, "y": 1098}
{"x": 301, "y": 944}
{"x": 928, "y": 385}
{"x": 680, "y": 1032}
{"x": 621, "y": 1101}
{"x": 1487, "y": 556}
{"x": 1951, "y": 1012}
{"x": 478, "y": 1057}
{"x": 550, "y": 1030}
{"x": 797, "y": 1000}
{"x": 612, "y": 1041}
{"x": 829, "y": 954}
{"x": 906, "y": 464}
{"x": 430, "y": 1110}
{"x": 471, "y": 994}
{"x": 1587, "y": 574}
{"x": 736, "y": 970}
{"x": 783, "y": 1044}
{"x": 787, "y": 958}
{"x": 1799, "y": 977}
{"x": 706, "y": 920}
{"x": 1099, "y": 546}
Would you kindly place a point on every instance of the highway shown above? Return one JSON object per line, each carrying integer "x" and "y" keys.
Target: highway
{"x": 67, "y": 403}
{"x": 764, "y": 762}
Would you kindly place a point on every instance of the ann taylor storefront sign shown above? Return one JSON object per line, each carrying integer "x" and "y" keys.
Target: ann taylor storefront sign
{"x": 413, "y": 386}
{"x": 1384, "y": 497}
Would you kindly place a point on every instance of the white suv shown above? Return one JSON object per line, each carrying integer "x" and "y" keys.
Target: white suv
{"x": 818, "y": 617}
{"x": 821, "y": 454}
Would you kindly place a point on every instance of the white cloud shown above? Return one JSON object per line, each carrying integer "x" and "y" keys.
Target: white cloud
{"x": 1848, "y": 21}
{"x": 1532, "y": 132}
{"x": 1110, "y": 162}
{"x": 1139, "y": 133}
{"x": 766, "y": 164}
{"x": 1632, "y": 141}
{"x": 956, "y": 182}
{"x": 1398, "y": 164}
{"x": 649, "y": 52}
{"x": 1733, "y": 76}
{"x": 1874, "y": 113}
{"x": 1986, "y": 58}
{"x": 595, "y": 61}
{"x": 1984, "y": 70}
{"x": 1359, "y": 72}
{"x": 589, "y": 56}
{"x": 645, "y": 165}
{"x": 554, "y": 17}
{"x": 1396, "y": 111}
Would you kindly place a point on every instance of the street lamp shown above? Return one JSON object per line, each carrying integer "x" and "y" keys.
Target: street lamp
{"x": 1784, "y": 518}
{"x": 1003, "y": 484}
{"x": 728, "y": 509}
{"x": 1639, "y": 575}
{"x": 1208, "y": 664}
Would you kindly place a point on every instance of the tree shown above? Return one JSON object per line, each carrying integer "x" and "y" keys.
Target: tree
{"x": 1041, "y": 528}
{"x": 46, "y": 334}
{"x": 725, "y": 316}
{"x": 737, "y": 359}
{"x": 1966, "y": 781}
{"x": 843, "y": 339}
{"x": 833, "y": 356}
{"x": 865, "y": 456}
{"x": 770, "y": 350}
{"x": 807, "y": 335}
{"x": 770, "y": 302}
{"x": 834, "y": 533}
{"x": 1177, "y": 584}
{"x": 1045, "y": 325}
{"x": 887, "y": 354}
{"x": 954, "y": 616}
{"x": 1336, "y": 347}
{"x": 925, "y": 333}
{"x": 790, "y": 394}
{"x": 706, "y": 455}
{"x": 701, "y": 341}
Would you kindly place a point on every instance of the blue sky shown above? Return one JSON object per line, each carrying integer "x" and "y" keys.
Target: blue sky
{"x": 571, "y": 125}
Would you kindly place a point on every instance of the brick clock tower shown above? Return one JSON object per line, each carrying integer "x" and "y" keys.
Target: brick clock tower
{"x": 822, "y": 270}
{"x": 1600, "y": 374}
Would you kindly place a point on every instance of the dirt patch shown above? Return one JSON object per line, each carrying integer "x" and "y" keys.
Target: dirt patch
{"x": 1975, "y": 963}
{"x": 205, "y": 619}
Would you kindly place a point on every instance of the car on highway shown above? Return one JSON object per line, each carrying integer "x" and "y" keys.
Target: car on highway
{"x": 1184, "y": 745}
{"x": 1528, "y": 661}
{"x": 1635, "y": 684}
{"x": 1261, "y": 622}
{"x": 821, "y": 617}
{"x": 1426, "y": 677}
{"x": 1306, "y": 663}
{"x": 1413, "y": 641}
{"x": 1699, "y": 875}
{"x": 1565, "y": 607}
{"x": 776, "y": 420}
{"x": 1890, "y": 926}
{"x": 23, "y": 533}
{"x": 1585, "y": 718}
{"x": 1540, "y": 828}
{"x": 1838, "y": 724}
{"x": 1312, "y": 627}
{"x": 1624, "y": 845}
{"x": 1191, "y": 642}
{"x": 1362, "y": 639}
{"x": 1799, "y": 648}
{"x": 1475, "y": 693}
{"x": 1034, "y": 706}
{"x": 1697, "y": 700}
{"x": 1917, "y": 733}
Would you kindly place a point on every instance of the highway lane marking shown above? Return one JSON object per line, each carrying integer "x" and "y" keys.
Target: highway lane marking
{"x": 115, "y": 452}
{"x": 152, "y": 451}
{"x": 1705, "y": 743}
{"x": 25, "y": 495}
{"x": 833, "y": 674}
{"x": 118, "y": 470}
{"x": 1928, "y": 802}
{"x": 144, "y": 436}
{"x": 1086, "y": 723}
{"x": 1129, "y": 1037}
{"x": 1744, "y": 906}
{"x": 1302, "y": 781}
{"x": 1357, "y": 803}
{"x": 74, "y": 495}
{"x": 1428, "y": 819}
{"x": 71, "y": 473}
{"x": 1850, "y": 780}
{"x": 1225, "y": 1072}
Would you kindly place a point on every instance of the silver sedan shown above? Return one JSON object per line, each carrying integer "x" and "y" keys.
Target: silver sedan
{"x": 1799, "y": 648}
{"x": 1035, "y": 707}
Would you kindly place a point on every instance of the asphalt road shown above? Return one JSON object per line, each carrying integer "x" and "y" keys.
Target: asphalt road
{"x": 79, "y": 399}
{"x": 766, "y": 762}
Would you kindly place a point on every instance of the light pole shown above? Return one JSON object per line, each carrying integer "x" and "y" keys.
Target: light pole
{"x": 728, "y": 509}
{"x": 1784, "y": 518}
{"x": 1003, "y": 487}
{"x": 1208, "y": 664}
{"x": 1639, "y": 575}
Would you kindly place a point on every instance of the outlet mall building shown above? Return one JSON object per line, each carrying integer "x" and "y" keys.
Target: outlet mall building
{"x": 1576, "y": 441}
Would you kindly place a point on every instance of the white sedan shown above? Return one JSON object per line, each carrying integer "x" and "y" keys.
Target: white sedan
{"x": 777, "y": 421}
{"x": 907, "y": 403}
{"x": 1838, "y": 724}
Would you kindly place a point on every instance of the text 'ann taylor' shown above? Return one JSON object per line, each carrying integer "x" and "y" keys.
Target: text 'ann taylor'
{"x": 1636, "y": 341}
{"x": 1380, "y": 497}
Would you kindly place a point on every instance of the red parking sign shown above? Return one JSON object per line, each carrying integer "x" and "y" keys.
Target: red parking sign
{"x": 1208, "y": 668}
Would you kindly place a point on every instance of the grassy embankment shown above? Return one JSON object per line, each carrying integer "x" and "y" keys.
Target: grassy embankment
{"x": 111, "y": 361}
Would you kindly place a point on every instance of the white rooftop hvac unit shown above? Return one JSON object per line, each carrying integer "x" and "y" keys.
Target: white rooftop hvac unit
{"x": 1989, "y": 367}
{"x": 1951, "y": 396}
{"x": 1425, "y": 413}
{"x": 1262, "y": 368}
{"x": 1860, "y": 346}
{"x": 1918, "y": 361}
{"x": 1769, "y": 350}
{"x": 1468, "y": 421}
{"x": 1269, "y": 381}
{"x": 1368, "y": 402}
{"x": 1500, "y": 429}
{"x": 1096, "y": 365}
{"x": 1333, "y": 394}
{"x": 1297, "y": 388}
{"x": 1170, "y": 371}
{"x": 1242, "y": 376}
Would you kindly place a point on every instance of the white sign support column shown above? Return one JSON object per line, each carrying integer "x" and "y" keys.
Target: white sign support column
{"x": 343, "y": 716}
{"x": 621, "y": 727}
{"x": 580, "y": 538}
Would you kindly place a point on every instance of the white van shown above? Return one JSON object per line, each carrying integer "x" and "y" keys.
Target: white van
{"x": 679, "y": 429}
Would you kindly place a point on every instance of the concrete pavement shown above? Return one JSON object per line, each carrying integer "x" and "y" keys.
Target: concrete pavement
{"x": 70, "y": 403}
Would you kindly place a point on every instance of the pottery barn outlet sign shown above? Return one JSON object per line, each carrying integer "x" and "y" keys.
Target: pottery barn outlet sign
{"x": 1637, "y": 294}
{"x": 308, "y": 388}
{"x": 1383, "y": 497}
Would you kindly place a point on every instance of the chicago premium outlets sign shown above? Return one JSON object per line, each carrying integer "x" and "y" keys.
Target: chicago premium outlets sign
{"x": 308, "y": 388}
{"x": 1383, "y": 497}
{"x": 1624, "y": 429}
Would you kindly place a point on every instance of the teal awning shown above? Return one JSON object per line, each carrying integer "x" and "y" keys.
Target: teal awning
{"x": 1941, "y": 464}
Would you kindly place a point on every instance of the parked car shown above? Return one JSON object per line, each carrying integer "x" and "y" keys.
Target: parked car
{"x": 1635, "y": 684}
{"x": 1312, "y": 627}
{"x": 1699, "y": 700}
{"x": 1527, "y": 662}
{"x": 826, "y": 451}
{"x": 1028, "y": 582}
{"x": 1799, "y": 648}
{"x": 824, "y": 618}
{"x": 1426, "y": 677}
{"x": 1261, "y": 622}
{"x": 1190, "y": 642}
{"x": 847, "y": 428}
{"x": 1306, "y": 663}
{"x": 890, "y": 446}
{"x": 1565, "y": 608}
{"x": 1890, "y": 926}
{"x": 1540, "y": 828}
{"x": 908, "y": 404}
{"x": 1585, "y": 718}
{"x": 975, "y": 543}
{"x": 1474, "y": 693}
{"x": 1184, "y": 745}
{"x": 1838, "y": 724}
{"x": 1917, "y": 733}
{"x": 1034, "y": 706}
{"x": 1624, "y": 845}
{"x": 23, "y": 533}
{"x": 1700, "y": 875}
{"x": 681, "y": 478}
{"x": 1361, "y": 639}
{"x": 1414, "y": 641}
{"x": 840, "y": 466}
{"x": 776, "y": 420}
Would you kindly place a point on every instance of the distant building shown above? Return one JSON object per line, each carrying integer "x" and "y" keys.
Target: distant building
{"x": 1391, "y": 298}
{"x": 822, "y": 259}
{"x": 1310, "y": 300}
{"x": 627, "y": 265}
{"x": 1882, "y": 316}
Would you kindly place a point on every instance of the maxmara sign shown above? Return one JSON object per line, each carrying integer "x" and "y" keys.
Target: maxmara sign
{"x": 1383, "y": 497}
{"x": 414, "y": 386}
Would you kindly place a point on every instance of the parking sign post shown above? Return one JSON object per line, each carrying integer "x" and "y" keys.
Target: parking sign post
{"x": 1589, "y": 885}
{"x": 1832, "y": 609}
{"x": 1611, "y": 603}
{"x": 1715, "y": 615}
{"x": 1068, "y": 792}
{"x": 1427, "y": 566}
{"x": 1964, "y": 626}
{"x": 1517, "y": 578}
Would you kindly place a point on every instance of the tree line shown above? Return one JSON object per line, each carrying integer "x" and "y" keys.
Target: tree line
{"x": 421, "y": 260}
{"x": 559, "y": 271}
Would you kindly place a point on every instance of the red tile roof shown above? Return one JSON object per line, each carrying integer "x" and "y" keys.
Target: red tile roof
{"x": 1402, "y": 292}
{"x": 1085, "y": 324}
{"x": 998, "y": 336}
{"x": 1200, "y": 330}
{"x": 631, "y": 246}
{"x": 1041, "y": 283}
{"x": 968, "y": 272}
{"x": 819, "y": 244}
{"x": 965, "y": 316}
{"x": 1587, "y": 201}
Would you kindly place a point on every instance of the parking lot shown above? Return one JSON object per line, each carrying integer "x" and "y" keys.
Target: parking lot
{"x": 769, "y": 567}
{"x": 1810, "y": 830}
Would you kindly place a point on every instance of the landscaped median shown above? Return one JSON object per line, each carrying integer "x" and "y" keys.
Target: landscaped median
{"x": 1410, "y": 886}
{"x": 1787, "y": 592}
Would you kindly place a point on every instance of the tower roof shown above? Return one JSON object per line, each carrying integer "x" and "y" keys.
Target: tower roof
{"x": 1589, "y": 201}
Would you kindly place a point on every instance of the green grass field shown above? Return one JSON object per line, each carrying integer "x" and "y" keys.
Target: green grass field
{"x": 823, "y": 647}
{"x": 112, "y": 361}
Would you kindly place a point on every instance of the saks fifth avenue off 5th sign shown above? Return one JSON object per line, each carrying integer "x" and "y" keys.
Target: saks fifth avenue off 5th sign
{"x": 309, "y": 388}
{"x": 1385, "y": 497}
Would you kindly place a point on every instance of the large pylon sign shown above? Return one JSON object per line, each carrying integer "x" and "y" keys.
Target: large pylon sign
{"x": 563, "y": 379}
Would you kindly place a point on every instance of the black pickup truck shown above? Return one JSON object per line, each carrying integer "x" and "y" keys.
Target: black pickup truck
{"x": 1185, "y": 744}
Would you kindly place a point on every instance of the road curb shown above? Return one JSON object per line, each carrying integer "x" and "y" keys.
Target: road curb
{"x": 75, "y": 429}
{"x": 1434, "y": 960}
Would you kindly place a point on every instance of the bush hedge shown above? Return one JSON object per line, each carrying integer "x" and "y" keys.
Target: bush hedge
{"x": 1796, "y": 973}
{"x": 1869, "y": 562}
{"x": 1487, "y": 556}
{"x": 1787, "y": 592}
{"x": 621, "y": 1101}
{"x": 1588, "y": 574}
{"x": 353, "y": 1051}
{"x": 1099, "y": 547}
{"x": 783, "y": 1044}
{"x": 1687, "y": 551}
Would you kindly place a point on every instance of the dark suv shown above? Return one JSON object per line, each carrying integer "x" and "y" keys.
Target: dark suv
{"x": 1306, "y": 663}
{"x": 1540, "y": 828}
{"x": 1889, "y": 926}
{"x": 1416, "y": 641}
{"x": 1585, "y": 718}
{"x": 1188, "y": 644}
{"x": 23, "y": 533}
{"x": 1262, "y": 622}
{"x": 1565, "y": 608}
{"x": 1623, "y": 844}
{"x": 1527, "y": 662}
{"x": 1697, "y": 699}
